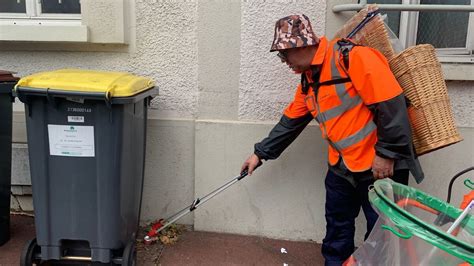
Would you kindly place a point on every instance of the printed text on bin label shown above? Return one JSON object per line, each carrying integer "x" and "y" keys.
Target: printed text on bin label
{"x": 75, "y": 119}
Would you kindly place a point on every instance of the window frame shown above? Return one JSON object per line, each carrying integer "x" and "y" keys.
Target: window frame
{"x": 37, "y": 27}
{"x": 408, "y": 34}
{"x": 33, "y": 12}
{"x": 66, "y": 33}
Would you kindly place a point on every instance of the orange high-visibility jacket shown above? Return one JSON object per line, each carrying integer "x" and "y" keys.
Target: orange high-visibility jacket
{"x": 340, "y": 98}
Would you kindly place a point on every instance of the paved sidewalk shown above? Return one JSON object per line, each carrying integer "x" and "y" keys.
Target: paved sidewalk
{"x": 192, "y": 248}
{"x": 22, "y": 229}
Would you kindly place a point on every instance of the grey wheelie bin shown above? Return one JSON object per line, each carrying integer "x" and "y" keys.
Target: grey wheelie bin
{"x": 86, "y": 138}
{"x": 7, "y": 82}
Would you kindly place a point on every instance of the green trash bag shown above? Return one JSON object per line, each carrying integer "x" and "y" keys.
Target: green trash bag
{"x": 412, "y": 229}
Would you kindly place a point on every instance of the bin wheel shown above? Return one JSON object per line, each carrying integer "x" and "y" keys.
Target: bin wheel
{"x": 29, "y": 252}
{"x": 129, "y": 254}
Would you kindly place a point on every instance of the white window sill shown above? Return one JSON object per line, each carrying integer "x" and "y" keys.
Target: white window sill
{"x": 41, "y": 31}
{"x": 458, "y": 71}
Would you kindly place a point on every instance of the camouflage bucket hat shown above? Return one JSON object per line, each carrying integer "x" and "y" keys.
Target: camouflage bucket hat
{"x": 292, "y": 32}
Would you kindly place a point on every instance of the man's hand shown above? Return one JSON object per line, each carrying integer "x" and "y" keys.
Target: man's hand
{"x": 382, "y": 168}
{"x": 250, "y": 164}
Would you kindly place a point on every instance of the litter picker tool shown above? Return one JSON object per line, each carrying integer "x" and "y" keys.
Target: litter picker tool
{"x": 369, "y": 17}
{"x": 164, "y": 223}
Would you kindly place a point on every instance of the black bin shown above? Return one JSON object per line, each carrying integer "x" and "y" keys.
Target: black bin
{"x": 7, "y": 82}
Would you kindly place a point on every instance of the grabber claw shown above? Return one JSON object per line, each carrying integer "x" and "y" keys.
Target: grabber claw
{"x": 152, "y": 235}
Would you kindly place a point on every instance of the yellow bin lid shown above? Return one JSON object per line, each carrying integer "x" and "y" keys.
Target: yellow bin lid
{"x": 113, "y": 84}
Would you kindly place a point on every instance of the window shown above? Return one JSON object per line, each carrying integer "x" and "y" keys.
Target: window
{"x": 41, "y": 9}
{"x": 13, "y": 6}
{"x": 451, "y": 33}
{"x": 65, "y": 21}
{"x": 42, "y": 20}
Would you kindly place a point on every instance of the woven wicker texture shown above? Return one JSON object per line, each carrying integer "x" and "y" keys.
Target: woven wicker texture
{"x": 373, "y": 34}
{"x": 419, "y": 73}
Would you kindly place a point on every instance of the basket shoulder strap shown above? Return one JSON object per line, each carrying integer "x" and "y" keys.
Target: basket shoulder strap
{"x": 345, "y": 47}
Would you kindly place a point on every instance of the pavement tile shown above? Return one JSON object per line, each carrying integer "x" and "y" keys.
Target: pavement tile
{"x": 192, "y": 248}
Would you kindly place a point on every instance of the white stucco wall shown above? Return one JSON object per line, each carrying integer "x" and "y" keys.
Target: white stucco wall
{"x": 220, "y": 92}
{"x": 461, "y": 95}
{"x": 165, "y": 49}
{"x": 266, "y": 85}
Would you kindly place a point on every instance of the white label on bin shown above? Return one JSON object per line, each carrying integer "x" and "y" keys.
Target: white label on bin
{"x": 71, "y": 140}
{"x": 75, "y": 119}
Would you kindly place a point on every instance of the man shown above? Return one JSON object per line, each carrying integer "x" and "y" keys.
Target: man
{"x": 361, "y": 111}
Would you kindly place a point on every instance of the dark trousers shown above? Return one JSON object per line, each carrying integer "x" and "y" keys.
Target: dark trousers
{"x": 343, "y": 202}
